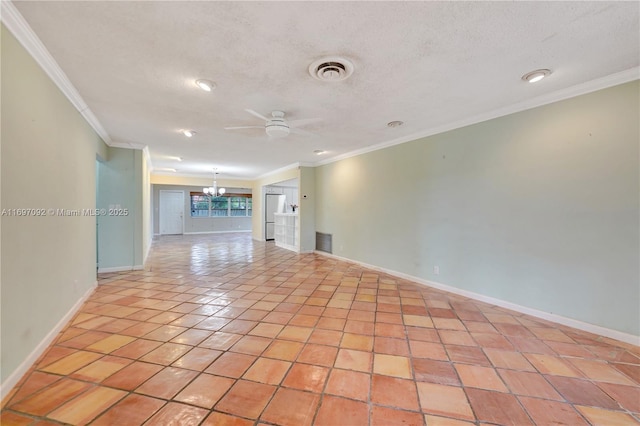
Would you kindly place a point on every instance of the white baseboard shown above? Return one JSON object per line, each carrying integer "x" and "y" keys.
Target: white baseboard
{"x": 558, "y": 319}
{"x": 8, "y": 384}
{"x": 217, "y": 232}
{"x": 121, "y": 269}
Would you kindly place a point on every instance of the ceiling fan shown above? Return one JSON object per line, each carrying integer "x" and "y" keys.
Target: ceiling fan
{"x": 277, "y": 126}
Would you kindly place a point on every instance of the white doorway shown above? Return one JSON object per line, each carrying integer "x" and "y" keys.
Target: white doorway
{"x": 171, "y": 212}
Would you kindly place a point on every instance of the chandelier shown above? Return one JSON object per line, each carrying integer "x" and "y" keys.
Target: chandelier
{"x": 214, "y": 191}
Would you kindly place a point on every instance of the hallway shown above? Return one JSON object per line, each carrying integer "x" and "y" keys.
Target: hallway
{"x": 224, "y": 330}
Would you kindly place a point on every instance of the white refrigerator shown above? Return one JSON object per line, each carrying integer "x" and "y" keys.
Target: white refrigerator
{"x": 273, "y": 203}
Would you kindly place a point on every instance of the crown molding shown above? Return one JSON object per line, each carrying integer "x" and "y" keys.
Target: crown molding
{"x": 129, "y": 145}
{"x": 16, "y": 24}
{"x": 559, "y": 95}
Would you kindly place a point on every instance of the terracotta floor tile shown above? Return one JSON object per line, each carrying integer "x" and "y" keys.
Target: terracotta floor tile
{"x": 627, "y": 396}
{"x": 444, "y": 400}
{"x": 344, "y": 412}
{"x": 528, "y": 384}
{"x": 221, "y": 419}
{"x": 220, "y": 341}
{"x": 382, "y": 416}
{"x": 177, "y": 414}
{"x": 137, "y": 348}
{"x": 600, "y": 371}
{"x": 467, "y": 355}
{"x": 239, "y": 326}
{"x": 392, "y": 365}
{"x": 132, "y": 376}
{"x": 54, "y": 353}
{"x": 349, "y": 384}
{"x": 508, "y": 359}
{"x": 318, "y": 355}
{"x": 441, "y": 372}
{"x": 390, "y": 318}
{"x": 417, "y": 321}
{"x": 454, "y": 337}
{"x": 35, "y": 382}
{"x": 326, "y": 337}
{"x": 192, "y": 337}
{"x": 167, "y": 383}
{"x": 354, "y": 360}
{"x": 87, "y": 406}
{"x": 357, "y": 341}
{"x": 212, "y": 323}
{"x": 284, "y": 350}
{"x": 51, "y": 397}
{"x": 601, "y": 417}
{"x": 421, "y": 334}
{"x": 132, "y": 410}
{"x": 13, "y": 419}
{"x": 306, "y": 377}
{"x": 390, "y": 346}
{"x": 269, "y": 371}
{"x": 545, "y": 412}
{"x": 480, "y": 377}
{"x": 166, "y": 353}
{"x": 230, "y": 364}
{"x": 445, "y": 421}
{"x": 246, "y": 399}
{"x": 197, "y": 359}
{"x": 165, "y": 333}
{"x": 582, "y": 392}
{"x": 266, "y": 330}
{"x": 328, "y": 323}
{"x": 340, "y": 335}
{"x": 101, "y": 369}
{"x": 71, "y": 363}
{"x": 205, "y": 391}
{"x": 394, "y": 392}
{"x": 251, "y": 345}
{"x": 84, "y": 339}
{"x": 299, "y": 334}
{"x": 291, "y": 407}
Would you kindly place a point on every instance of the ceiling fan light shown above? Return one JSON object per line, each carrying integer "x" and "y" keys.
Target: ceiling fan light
{"x": 535, "y": 76}
{"x": 206, "y": 85}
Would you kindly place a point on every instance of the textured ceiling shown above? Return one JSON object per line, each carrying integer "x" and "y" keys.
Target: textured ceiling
{"x": 429, "y": 64}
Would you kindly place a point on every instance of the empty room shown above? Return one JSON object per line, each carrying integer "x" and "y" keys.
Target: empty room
{"x": 320, "y": 213}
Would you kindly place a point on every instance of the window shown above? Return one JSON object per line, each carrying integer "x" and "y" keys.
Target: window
{"x": 199, "y": 205}
{"x": 202, "y": 205}
{"x": 219, "y": 206}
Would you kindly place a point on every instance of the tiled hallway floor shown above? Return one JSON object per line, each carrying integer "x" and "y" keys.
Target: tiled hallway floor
{"x": 223, "y": 330}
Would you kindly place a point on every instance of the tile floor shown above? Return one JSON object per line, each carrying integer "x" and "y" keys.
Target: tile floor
{"x": 223, "y": 330}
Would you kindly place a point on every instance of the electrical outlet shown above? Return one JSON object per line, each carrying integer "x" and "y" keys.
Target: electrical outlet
{"x": 436, "y": 270}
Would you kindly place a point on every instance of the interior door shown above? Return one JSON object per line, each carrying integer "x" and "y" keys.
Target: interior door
{"x": 171, "y": 212}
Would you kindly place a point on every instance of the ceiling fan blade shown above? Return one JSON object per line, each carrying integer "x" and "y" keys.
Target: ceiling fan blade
{"x": 302, "y": 132}
{"x": 303, "y": 122}
{"x": 244, "y": 127}
{"x": 257, "y": 114}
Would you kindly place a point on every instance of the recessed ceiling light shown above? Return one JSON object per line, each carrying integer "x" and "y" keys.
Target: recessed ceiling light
{"x": 319, "y": 152}
{"x": 396, "y": 123}
{"x": 188, "y": 133}
{"x": 206, "y": 85}
{"x": 536, "y": 75}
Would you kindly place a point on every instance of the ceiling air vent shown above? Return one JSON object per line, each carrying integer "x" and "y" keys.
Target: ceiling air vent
{"x": 331, "y": 69}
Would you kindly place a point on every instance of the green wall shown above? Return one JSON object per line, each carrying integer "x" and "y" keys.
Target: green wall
{"x": 48, "y": 161}
{"x": 538, "y": 208}
{"x": 121, "y": 243}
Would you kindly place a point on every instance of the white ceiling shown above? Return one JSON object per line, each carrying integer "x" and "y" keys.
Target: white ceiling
{"x": 432, "y": 65}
